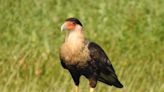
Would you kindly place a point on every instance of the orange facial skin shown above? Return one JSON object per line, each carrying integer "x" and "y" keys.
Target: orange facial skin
{"x": 70, "y": 25}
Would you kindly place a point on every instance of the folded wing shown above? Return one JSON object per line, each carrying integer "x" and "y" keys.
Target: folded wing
{"x": 103, "y": 65}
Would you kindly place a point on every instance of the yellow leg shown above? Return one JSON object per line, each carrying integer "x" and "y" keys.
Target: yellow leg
{"x": 91, "y": 89}
{"x": 77, "y": 88}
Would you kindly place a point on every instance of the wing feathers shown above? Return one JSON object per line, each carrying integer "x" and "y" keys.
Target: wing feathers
{"x": 105, "y": 68}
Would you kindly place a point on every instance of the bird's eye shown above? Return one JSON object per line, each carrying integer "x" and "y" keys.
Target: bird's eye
{"x": 73, "y": 23}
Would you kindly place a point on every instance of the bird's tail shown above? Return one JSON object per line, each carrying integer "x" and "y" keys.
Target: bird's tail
{"x": 118, "y": 84}
{"x": 110, "y": 80}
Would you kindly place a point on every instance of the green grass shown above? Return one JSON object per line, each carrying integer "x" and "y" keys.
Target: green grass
{"x": 130, "y": 31}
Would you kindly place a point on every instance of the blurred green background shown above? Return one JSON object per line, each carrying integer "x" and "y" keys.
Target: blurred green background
{"x": 130, "y": 31}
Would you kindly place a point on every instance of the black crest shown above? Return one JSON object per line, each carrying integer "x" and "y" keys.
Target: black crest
{"x": 75, "y": 20}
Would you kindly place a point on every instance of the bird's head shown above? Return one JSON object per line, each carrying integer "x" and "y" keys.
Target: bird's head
{"x": 71, "y": 24}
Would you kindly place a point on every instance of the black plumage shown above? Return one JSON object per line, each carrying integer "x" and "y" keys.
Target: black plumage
{"x": 105, "y": 71}
{"x": 74, "y": 20}
{"x": 99, "y": 68}
{"x": 82, "y": 57}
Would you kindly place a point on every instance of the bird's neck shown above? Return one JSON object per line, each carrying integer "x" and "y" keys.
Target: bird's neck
{"x": 74, "y": 47}
{"x": 75, "y": 38}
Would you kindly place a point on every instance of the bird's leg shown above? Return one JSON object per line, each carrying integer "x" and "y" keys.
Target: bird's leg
{"x": 76, "y": 88}
{"x": 92, "y": 83}
{"x": 75, "y": 76}
{"x": 91, "y": 90}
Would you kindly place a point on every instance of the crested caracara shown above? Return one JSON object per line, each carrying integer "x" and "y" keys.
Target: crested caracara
{"x": 83, "y": 57}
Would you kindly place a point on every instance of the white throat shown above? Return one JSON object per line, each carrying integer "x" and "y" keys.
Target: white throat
{"x": 74, "y": 49}
{"x": 74, "y": 40}
{"x": 76, "y": 35}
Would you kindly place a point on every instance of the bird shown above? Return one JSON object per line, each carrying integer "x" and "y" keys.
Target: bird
{"x": 82, "y": 57}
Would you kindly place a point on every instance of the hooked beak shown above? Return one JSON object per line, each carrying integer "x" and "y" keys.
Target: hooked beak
{"x": 63, "y": 27}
